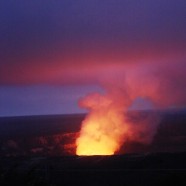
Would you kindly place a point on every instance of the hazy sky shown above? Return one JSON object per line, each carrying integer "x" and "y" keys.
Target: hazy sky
{"x": 54, "y": 52}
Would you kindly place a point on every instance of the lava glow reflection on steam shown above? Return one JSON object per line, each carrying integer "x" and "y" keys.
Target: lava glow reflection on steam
{"x": 103, "y": 130}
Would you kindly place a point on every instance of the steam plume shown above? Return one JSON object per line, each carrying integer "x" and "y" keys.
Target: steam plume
{"x": 108, "y": 124}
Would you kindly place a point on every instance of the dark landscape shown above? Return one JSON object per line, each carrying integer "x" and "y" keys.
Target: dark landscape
{"x": 92, "y": 93}
{"x": 40, "y": 150}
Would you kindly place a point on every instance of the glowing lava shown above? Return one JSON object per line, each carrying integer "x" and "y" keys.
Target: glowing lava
{"x": 103, "y": 129}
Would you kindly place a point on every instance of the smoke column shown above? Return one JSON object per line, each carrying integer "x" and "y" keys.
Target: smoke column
{"x": 108, "y": 124}
{"x": 103, "y": 129}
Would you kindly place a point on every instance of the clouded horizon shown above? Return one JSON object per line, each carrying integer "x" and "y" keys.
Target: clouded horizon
{"x": 86, "y": 43}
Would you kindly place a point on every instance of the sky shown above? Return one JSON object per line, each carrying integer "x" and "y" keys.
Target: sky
{"x": 52, "y": 53}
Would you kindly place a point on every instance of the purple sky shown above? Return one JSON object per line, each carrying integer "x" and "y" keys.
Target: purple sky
{"x": 54, "y": 52}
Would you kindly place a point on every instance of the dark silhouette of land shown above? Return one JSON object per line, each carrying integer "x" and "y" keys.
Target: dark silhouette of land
{"x": 133, "y": 169}
{"x": 40, "y": 150}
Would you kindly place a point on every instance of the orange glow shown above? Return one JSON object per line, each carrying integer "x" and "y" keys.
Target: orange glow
{"x": 103, "y": 130}
{"x": 109, "y": 125}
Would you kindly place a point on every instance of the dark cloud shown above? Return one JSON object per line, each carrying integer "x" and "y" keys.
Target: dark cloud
{"x": 49, "y": 28}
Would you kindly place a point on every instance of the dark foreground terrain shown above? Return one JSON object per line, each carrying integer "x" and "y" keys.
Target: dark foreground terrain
{"x": 55, "y": 135}
{"x": 40, "y": 151}
{"x": 134, "y": 169}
